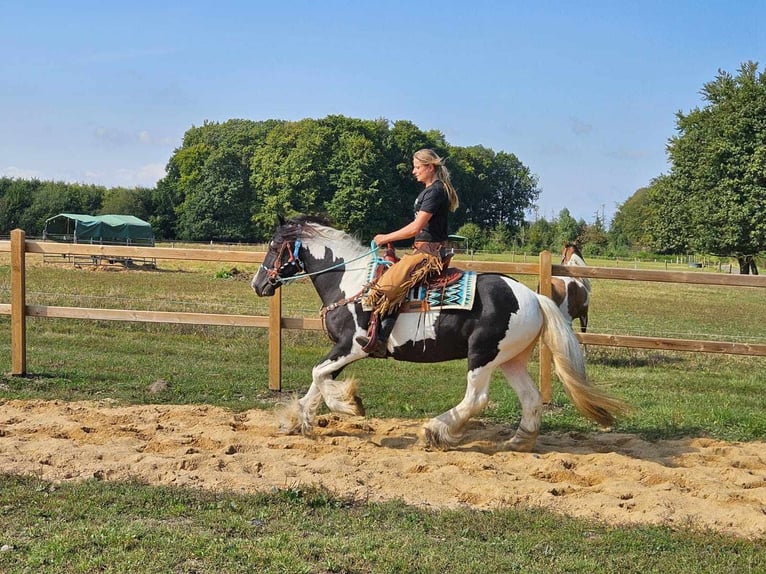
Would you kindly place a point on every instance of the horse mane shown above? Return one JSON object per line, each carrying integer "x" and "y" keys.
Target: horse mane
{"x": 575, "y": 259}
{"x": 305, "y": 226}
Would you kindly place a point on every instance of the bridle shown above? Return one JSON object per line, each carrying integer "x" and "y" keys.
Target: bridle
{"x": 294, "y": 268}
{"x": 281, "y": 272}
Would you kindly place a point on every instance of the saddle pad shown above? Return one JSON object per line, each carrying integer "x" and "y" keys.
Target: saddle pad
{"x": 458, "y": 295}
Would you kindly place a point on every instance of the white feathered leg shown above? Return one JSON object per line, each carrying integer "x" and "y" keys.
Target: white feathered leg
{"x": 516, "y": 373}
{"x": 446, "y": 430}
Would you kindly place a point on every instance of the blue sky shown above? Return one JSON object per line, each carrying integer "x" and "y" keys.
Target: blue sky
{"x": 583, "y": 93}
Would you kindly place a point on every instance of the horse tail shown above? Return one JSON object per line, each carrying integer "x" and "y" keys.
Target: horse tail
{"x": 593, "y": 403}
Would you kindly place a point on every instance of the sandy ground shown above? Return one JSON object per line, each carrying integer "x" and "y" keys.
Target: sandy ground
{"x": 610, "y": 477}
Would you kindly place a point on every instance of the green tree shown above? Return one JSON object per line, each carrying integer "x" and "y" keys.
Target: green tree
{"x": 630, "y": 225}
{"x": 541, "y": 235}
{"x": 568, "y": 230}
{"x": 593, "y": 236}
{"x": 514, "y": 190}
{"x": 358, "y": 172}
{"x": 124, "y": 201}
{"x": 718, "y": 174}
{"x": 288, "y": 173}
{"x": 52, "y": 198}
{"x": 206, "y": 192}
{"x": 15, "y": 198}
{"x": 217, "y": 206}
{"x": 469, "y": 170}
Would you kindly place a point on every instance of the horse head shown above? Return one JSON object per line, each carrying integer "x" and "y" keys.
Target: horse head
{"x": 571, "y": 254}
{"x": 307, "y": 246}
{"x": 282, "y": 260}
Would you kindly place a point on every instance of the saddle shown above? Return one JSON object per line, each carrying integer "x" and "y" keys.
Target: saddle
{"x": 448, "y": 275}
{"x": 453, "y": 288}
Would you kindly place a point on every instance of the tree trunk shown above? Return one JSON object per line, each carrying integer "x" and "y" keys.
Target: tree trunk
{"x": 747, "y": 265}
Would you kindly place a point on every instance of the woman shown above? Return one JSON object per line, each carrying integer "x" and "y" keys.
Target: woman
{"x": 429, "y": 228}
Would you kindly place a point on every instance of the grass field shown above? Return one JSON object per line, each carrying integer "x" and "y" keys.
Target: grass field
{"x": 107, "y": 527}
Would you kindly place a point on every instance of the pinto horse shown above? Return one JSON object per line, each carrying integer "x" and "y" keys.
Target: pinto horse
{"x": 499, "y": 331}
{"x": 572, "y": 294}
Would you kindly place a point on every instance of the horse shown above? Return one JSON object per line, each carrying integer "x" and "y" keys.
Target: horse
{"x": 572, "y": 294}
{"x": 499, "y": 331}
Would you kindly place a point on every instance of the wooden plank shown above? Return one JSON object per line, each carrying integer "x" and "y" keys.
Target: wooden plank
{"x": 498, "y": 267}
{"x": 18, "y": 304}
{"x": 52, "y": 248}
{"x": 275, "y": 342}
{"x": 302, "y": 323}
{"x": 147, "y": 316}
{"x": 699, "y": 278}
{"x": 752, "y": 349}
{"x": 546, "y": 358}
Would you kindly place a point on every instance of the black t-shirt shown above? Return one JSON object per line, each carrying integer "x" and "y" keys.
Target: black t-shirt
{"x": 433, "y": 200}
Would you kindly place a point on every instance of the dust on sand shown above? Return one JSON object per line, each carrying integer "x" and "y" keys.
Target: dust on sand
{"x": 609, "y": 477}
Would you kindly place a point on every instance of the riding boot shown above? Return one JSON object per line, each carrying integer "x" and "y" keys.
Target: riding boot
{"x": 376, "y": 344}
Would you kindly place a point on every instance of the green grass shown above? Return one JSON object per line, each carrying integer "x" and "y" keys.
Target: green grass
{"x": 130, "y": 527}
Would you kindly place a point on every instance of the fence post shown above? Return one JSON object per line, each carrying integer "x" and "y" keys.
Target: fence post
{"x": 544, "y": 281}
{"x": 275, "y": 341}
{"x": 18, "y": 303}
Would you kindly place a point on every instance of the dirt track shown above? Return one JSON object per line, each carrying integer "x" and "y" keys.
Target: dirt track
{"x": 610, "y": 477}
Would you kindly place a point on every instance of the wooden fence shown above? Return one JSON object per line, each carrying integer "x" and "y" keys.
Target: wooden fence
{"x": 18, "y": 247}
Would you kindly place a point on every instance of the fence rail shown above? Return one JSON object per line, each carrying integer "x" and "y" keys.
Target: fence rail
{"x": 18, "y": 247}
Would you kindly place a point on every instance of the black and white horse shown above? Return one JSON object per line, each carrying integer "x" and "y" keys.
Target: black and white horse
{"x": 499, "y": 331}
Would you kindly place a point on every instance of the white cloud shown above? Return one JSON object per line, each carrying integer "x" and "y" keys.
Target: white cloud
{"x": 17, "y": 172}
{"x": 152, "y": 172}
{"x": 144, "y": 176}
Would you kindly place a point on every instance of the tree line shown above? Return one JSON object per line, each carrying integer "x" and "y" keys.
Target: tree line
{"x": 228, "y": 181}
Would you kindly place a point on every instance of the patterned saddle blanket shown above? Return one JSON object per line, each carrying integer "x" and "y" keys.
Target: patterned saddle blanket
{"x": 452, "y": 289}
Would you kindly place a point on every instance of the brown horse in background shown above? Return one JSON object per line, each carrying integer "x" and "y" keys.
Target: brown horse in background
{"x": 572, "y": 294}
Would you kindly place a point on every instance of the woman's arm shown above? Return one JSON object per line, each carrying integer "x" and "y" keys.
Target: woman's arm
{"x": 409, "y": 230}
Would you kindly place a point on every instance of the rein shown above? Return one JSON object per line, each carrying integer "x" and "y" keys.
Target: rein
{"x": 275, "y": 273}
{"x": 297, "y": 270}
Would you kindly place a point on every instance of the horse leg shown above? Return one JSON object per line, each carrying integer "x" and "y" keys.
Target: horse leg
{"x": 584, "y": 321}
{"x": 445, "y": 430}
{"x": 516, "y": 373}
{"x": 298, "y": 416}
{"x": 339, "y": 396}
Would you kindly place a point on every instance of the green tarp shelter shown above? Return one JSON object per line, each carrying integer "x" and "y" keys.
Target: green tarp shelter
{"x": 107, "y": 229}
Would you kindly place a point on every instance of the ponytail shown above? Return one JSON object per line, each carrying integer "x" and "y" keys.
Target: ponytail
{"x": 429, "y": 157}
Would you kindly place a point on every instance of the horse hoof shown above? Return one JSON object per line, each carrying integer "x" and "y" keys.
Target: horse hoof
{"x": 289, "y": 430}
{"x": 359, "y": 406}
{"x": 439, "y": 437}
{"x": 431, "y": 439}
{"x": 522, "y": 441}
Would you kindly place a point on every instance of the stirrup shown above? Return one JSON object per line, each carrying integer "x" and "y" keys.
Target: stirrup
{"x": 373, "y": 347}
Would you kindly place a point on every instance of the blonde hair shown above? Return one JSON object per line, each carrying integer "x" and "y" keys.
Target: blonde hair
{"x": 429, "y": 157}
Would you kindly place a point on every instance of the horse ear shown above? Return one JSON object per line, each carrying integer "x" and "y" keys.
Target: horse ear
{"x": 280, "y": 220}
